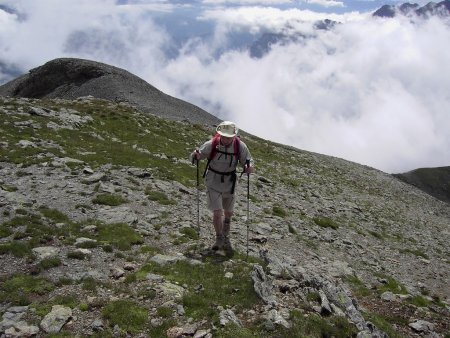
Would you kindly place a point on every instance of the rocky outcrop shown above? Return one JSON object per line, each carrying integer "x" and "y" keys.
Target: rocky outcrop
{"x": 69, "y": 78}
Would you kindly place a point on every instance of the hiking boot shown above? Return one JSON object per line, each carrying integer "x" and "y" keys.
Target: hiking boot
{"x": 219, "y": 243}
{"x": 227, "y": 246}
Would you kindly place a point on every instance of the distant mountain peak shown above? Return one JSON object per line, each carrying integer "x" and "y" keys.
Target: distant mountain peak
{"x": 70, "y": 78}
{"x": 440, "y": 9}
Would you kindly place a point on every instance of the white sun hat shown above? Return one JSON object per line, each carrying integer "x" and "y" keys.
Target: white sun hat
{"x": 227, "y": 129}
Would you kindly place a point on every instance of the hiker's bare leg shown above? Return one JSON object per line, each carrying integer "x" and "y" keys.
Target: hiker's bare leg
{"x": 218, "y": 227}
{"x": 226, "y": 223}
{"x": 226, "y": 232}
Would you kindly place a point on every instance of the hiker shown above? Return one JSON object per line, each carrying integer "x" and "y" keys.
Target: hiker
{"x": 224, "y": 151}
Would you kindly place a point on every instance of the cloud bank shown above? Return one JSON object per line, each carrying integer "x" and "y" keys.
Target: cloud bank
{"x": 372, "y": 91}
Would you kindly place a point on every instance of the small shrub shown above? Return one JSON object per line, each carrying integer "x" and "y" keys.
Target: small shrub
{"x": 16, "y": 248}
{"x": 416, "y": 252}
{"x": 89, "y": 284}
{"x": 54, "y": 214}
{"x": 18, "y": 289}
{"x": 278, "y": 211}
{"x": 147, "y": 249}
{"x": 164, "y": 311}
{"x": 109, "y": 199}
{"x": 10, "y": 188}
{"x": 76, "y": 255}
{"x": 50, "y": 262}
{"x": 158, "y": 196}
{"x": 190, "y": 233}
{"x": 107, "y": 248}
{"x": 4, "y": 231}
{"x": 126, "y": 314}
{"x": 119, "y": 235}
{"x": 419, "y": 301}
{"x": 325, "y": 222}
{"x": 375, "y": 234}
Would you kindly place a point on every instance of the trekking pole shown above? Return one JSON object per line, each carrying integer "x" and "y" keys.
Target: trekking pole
{"x": 247, "y": 163}
{"x": 198, "y": 193}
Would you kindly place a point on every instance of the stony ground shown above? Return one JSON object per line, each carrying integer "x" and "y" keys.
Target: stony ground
{"x": 335, "y": 248}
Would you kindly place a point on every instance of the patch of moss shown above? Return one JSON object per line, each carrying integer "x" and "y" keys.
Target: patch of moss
{"x": 278, "y": 211}
{"x": 325, "y": 222}
{"x": 19, "y": 288}
{"x": 128, "y": 315}
{"x": 50, "y": 262}
{"x": 119, "y": 235}
{"x": 189, "y": 232}
{"x": 109, "y": 199}
{"x": 158, "y": 196}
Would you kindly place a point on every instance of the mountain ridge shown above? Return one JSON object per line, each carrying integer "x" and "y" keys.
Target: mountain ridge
{"x": 69, "y": 78}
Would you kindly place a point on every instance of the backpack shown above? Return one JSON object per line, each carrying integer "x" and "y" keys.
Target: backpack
{"x": 214, "y": 150}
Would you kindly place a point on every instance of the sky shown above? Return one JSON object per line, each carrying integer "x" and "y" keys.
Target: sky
{"x": 370, "y": 90}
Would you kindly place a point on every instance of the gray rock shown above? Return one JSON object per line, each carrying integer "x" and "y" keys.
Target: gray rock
{"x": 121, "y": 214}
{"x": 263, "y": 285}
{"x": 228, "y": 316}
{"x": 172, "y": 290}
{"x": 421, "y": 326}
{"x": 21, "y": 329}
{"x": 165, "y": 259}
{"x": 97, "y": 325}
{"x": 276, "y": 318}
{"x": 56, "y": 319}
{"x": 93, "y": 178}
{"x": 325, "y": 304}
{"x": 45, "y": 252}
{"x": 388, "y": 296}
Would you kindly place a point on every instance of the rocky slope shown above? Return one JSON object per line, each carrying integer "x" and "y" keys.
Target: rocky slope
{"x": 98, "y": 211}
{"x": 434, "y": 181}
{"x": 69, "y": 78}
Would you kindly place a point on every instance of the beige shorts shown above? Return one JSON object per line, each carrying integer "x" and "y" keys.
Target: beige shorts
{"x": 219, "y": 200}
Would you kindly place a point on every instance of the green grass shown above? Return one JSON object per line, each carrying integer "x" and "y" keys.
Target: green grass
{"x": 419, "y": 301}
{"x": 16, "y": 248}
{"x": 325, "y": 222}
{"x": 189, "y": 233}
{"x": 316, "y": 326}
{"x": 391, "y": 285}
{"x": 382, "y": 323}
{"x": 19, "y": 288}
{"x": 237, "y": 291}
{"x": 158, "y": 196}
{"x": 415, "y": 252}
{"x": 50, "y": 262}
{"x": 358, "y": 287}
{"x": 279, "y": 211}
{"x": 128, "y": 315}
{"x": 119, "y": 235}
{"x": 53, "y": 214}
{"x": 109, "y": 199}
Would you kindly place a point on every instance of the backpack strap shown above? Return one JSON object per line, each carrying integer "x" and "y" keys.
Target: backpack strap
{"x": 215, "y": 143}
{"x": 214, "y": 151}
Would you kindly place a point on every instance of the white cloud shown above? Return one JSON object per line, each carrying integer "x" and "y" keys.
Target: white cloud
{"x": 371, "y": 91}
{"x": 374, "y": 93}
{"x": 247, "y": 2}
{"x": 325, "y": 3}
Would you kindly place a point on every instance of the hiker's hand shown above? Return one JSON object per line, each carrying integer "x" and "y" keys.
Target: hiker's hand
{"x": 195, "y": 155}
{"x": 249, "y": 170}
